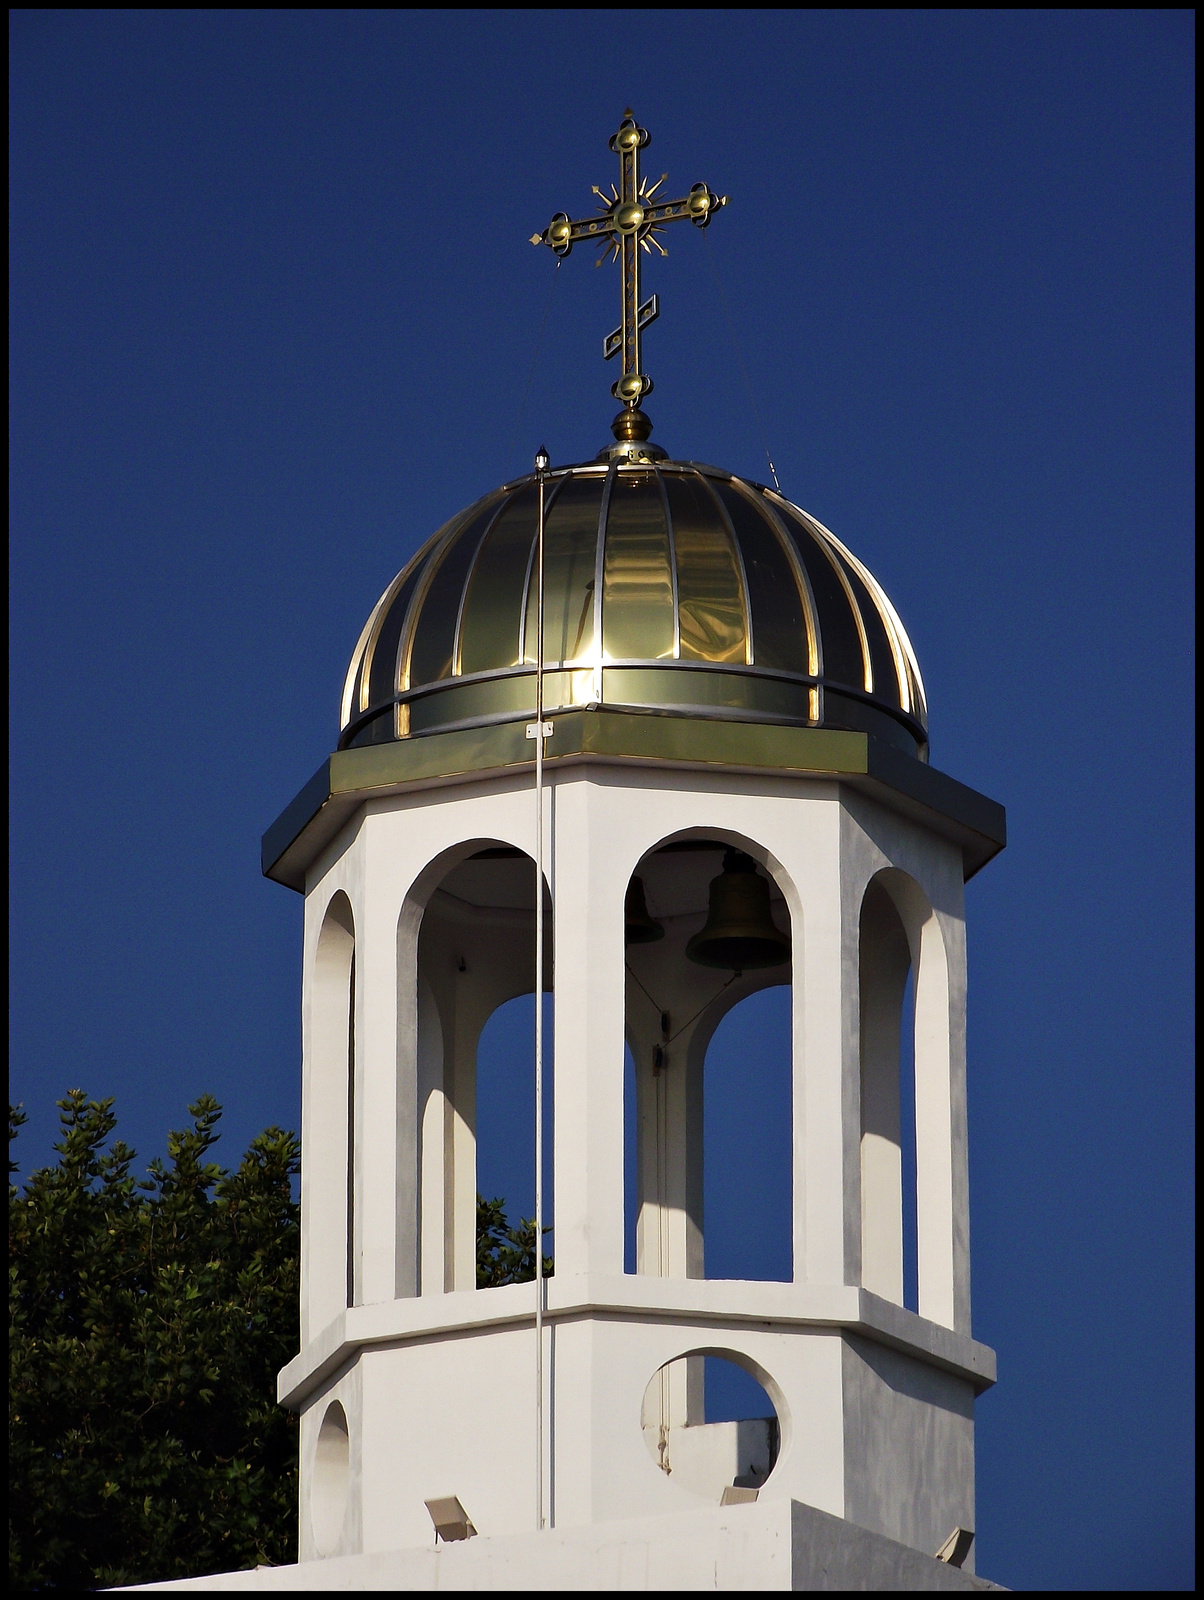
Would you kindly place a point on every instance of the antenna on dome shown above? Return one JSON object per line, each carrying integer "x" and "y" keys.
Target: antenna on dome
{"x": 628, "y": 221}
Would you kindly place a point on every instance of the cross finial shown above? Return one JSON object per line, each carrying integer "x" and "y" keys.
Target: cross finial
{"x": 628, "y": 220}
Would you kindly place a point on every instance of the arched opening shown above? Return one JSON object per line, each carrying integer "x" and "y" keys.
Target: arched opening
{"x": 476, "y": 983}
{"x": 747, "y": 1138}
{"x": 708, "y": 1170}
{"x": 710, "y": 1423}
{"x": 906, "y": 1127}
{"x": 886, "y": 1199}
{"x": 506, "y": 1124}
{"x": 330, "y": 1254}
{"x": 331, "y": 1481}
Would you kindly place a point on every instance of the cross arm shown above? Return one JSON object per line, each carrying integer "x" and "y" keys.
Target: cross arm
{"x": 639, "y": 217}
{"x": 561, "y": 234}
{"x": 698, "y": 206}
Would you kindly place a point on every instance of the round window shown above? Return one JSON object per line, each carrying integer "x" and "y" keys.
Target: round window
{"x": 710, "y": 1425}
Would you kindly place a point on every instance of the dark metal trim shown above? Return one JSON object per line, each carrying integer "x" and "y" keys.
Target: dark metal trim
{"x": 770, "y": 674}
{"x": 346, "y": 780}
{"x": 292, "y": 821}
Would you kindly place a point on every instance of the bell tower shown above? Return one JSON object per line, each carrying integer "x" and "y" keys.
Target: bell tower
{"x": 677, "y": 703}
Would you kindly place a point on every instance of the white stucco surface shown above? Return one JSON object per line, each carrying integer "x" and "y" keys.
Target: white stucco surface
{"x": 745, "y": 1548}
{"x": 435, "y": 1378}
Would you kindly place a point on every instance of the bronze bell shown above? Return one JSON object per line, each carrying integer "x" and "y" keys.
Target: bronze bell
{"x": 740, "y": 933}
{"x": 638, "y": 926}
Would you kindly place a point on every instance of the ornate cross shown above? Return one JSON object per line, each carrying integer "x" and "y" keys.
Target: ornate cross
{"x": 628, "y": 220}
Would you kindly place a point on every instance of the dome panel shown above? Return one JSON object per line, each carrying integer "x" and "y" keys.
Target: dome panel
{"x": 907, "y": 671}
{"x": 570, "y": 548}
{"x": 779, "y": 627}
{"x": 433, "y": 644}
{"x": 712, "y": 616}
{"x": 637, "y": 573}
{"x": 669, "y": 587}
{"x": 843, "y": 660}
{"x": 882, "y": 678}
{"x": 380, "y": 679}
{"x": 491, "y": 620}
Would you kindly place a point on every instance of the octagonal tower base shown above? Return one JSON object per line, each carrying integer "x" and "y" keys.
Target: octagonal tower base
{"x": 775, "y": 1547}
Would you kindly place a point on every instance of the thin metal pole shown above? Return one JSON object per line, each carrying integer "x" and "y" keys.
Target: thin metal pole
{"x": 541, "y": 461}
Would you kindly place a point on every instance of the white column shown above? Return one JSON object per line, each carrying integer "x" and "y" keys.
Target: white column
{"x": 386, "y": 1098}
{"x": 588, "y": 894}
{"x": 432, "y": 1113}
{"x": 884, "y": 961}
{"x": 953, "y": 929}
{"x": 330, "y": 944}
{"x": 825, "y": 999}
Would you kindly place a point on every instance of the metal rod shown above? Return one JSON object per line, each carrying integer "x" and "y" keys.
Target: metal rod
{"x": 541, "y": 461}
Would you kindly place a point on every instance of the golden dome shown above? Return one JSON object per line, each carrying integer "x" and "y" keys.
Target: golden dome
{"x": 669, "y": 588}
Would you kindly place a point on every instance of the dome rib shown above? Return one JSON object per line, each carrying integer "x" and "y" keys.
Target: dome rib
{"x": 911, "y": 689}
{"x": 815, "y": 657}
{"x": 672, "y": 588}
{"x": 357, "y": 658}
{"x": 503, "y": 506}
{"x": 441, "y": 579}
{"x": 842, "y": 656}
{"x": 867, "y": 675}
{"x": 778, "y": 619}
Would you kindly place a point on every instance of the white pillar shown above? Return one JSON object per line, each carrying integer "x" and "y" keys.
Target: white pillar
{"x": 588, "y": 1135}
{"x": 825, "y": 997}
{"x": 330, "y": 948}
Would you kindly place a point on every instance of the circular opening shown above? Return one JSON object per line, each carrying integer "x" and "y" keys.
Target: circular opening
{"x": 331, "y": 1479}
{"x": 709, "y": 1423}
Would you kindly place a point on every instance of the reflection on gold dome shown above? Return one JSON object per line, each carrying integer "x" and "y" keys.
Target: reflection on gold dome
{"x": 668, "y": 588}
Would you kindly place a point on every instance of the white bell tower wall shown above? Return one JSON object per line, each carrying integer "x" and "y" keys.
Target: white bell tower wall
{"x": 405, "y": 961}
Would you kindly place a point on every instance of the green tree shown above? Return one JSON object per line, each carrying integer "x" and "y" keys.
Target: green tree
{"x": 147, "y": 1321}
{"x": 505, "y": 1254}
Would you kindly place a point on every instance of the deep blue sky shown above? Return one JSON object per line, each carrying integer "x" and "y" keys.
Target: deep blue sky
{"x": 273, "y": 316}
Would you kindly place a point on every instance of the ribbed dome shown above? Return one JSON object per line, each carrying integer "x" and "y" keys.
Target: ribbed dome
{"x": 668, "y": 588}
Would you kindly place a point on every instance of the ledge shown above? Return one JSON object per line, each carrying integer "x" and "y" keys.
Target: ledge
{"x": 712, "y": 1303}
{"x": 348, "y": 778}
{"x": 770, "y": 1545}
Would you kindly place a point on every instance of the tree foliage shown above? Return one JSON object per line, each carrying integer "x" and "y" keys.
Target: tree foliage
{"x": 505, "y": 1254}
{"x": 147, "y": 1321}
